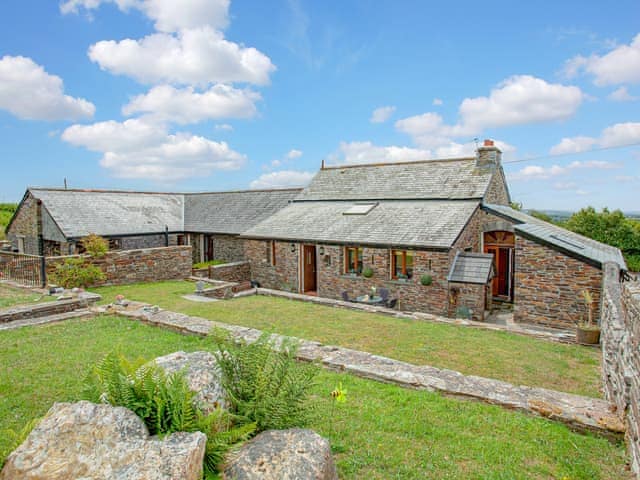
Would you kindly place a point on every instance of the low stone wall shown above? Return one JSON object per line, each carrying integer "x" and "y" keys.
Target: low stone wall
{"x": 620, "y": 337}
{"x": 47, "y": 309}
{"x": 144, "y": 265}
{"x": 231, "y": 272}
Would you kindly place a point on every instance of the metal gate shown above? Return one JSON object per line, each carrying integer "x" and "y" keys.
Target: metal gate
{"x": 27, "y": 270}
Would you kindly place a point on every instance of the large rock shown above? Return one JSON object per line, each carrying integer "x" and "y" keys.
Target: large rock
{"x": 202, "y": 375}
{"x": 294, "y": 454}
{"x": 91, "y": 442}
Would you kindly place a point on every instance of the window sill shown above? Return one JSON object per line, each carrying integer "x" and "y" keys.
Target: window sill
{"x": 400, "y": 282}
{"x": 352, "y": 277}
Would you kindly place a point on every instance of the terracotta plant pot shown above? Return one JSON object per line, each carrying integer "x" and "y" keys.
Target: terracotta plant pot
{"x": 587, "y": 336}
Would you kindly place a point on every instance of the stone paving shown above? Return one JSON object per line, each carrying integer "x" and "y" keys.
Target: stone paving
{"x": 578, "y": 412}
{"x": 59, "y": 317}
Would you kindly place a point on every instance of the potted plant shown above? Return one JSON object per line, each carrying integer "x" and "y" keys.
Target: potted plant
{"x": 426, "y": 280}
{"x": 587, "y": 332}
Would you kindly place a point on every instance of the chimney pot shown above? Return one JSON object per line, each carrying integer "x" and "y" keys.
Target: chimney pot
{"x": 488, "y": 143}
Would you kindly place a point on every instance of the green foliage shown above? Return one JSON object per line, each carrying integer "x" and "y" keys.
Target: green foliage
{"x": 165, "y": 404}
{"x": 210, "y": 262}
{"x": 76, "y": 272}
{"x": 608, "y": 227}
{"x": 6, "y": 212}
{"x": 367, "y": 272}
{"x": 516, "y": 205}
{"x": 95, "y": 245}
{"x": 265, "y": 384}
{"x": 426, "y": 280}
{"x": 541, "y": 216}
{"x": 16, "y": 438}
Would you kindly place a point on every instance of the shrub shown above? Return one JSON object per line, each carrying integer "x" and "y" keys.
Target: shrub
{"x": 426, "y": 280}
{"x": 165, "y": 404}
{"x": 266, "y": 385}
{"x": 75, "y": 272}
{"x": 367, "y": 272}
{"x": 95, "y": 245}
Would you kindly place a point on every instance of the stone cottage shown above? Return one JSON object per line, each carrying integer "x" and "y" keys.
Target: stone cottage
{"x": 414, "y": 229}
{"x": 210, "y": 222}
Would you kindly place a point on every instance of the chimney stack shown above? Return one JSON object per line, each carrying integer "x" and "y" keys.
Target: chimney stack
{"x": 488, "y": 155}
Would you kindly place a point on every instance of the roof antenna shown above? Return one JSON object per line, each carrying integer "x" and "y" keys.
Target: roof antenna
{"x": 65, "y": 183}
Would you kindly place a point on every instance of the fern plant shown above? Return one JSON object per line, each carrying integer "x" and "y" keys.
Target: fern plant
{"x": 265, "y": 384}
{"x": 16, "y": 437}
{"x": 165, "y": 404}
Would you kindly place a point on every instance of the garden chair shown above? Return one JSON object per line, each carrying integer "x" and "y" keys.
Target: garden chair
{"x": 392, "y": 303}
{"x": 384, "y": 294}
{"x": 345, "y": 296}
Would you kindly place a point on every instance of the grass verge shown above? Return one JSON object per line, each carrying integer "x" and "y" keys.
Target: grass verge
{"x": 381, "y": 432}
{"x": 509, "y": 357}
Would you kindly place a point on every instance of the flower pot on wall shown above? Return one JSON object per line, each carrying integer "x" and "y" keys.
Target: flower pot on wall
{"x": 587, "y": 335}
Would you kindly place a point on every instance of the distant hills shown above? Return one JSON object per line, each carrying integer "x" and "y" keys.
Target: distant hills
{"x": 562, "y": 215}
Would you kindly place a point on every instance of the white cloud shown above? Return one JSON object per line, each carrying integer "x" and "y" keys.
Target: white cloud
{"x": 518, "y": 100}
{"x": 573, "y": 145}
{"x": 537, "y": 172}
{"x": 225, "y": 127}
{"x": 168, "y": 15}
{"x": 367, "y": 152}
{"x": 284, "y": 178}
{"x": 198, "y": 56}
{"x": 294, "y": 153}
{"x": 139, "y": 149}
{"x": 621, "y": 94}
{"x": 620, "y": 65}
{"x": 437, "y": 102}
{"x": 382, "y": 114}
{"x": 29, "y": 92}
{"x": 188, "y": 106}
{"x": 616, "y": 135}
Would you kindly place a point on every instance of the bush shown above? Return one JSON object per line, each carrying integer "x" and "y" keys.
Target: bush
{"x": 165, "y": 404}
{"x": 367, "y": 272}
{"x": 75, "y": 272}
{"x": 426, "y": 280}
{"x": 95, "y": 245}
{"x": 266, "y": 385}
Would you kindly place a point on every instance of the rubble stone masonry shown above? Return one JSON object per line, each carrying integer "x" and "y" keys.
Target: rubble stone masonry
{"x": 25, "y": 225}
{"x": 620, "y": 338}
{"x": 549, "y": 286}
{"x": 145, "y": 265}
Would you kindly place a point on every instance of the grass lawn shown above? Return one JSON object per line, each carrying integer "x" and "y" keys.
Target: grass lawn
{"x": 513, "y": 358}
{"x": 381, "y": 432}
{"x": 10, "y": 296}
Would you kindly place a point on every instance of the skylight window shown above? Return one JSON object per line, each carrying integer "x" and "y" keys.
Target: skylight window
{"x": 360, "y": 209}
{"x": 568, "y": 241}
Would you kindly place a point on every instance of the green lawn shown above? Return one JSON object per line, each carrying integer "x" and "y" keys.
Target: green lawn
{"x": 513, "y": 358}
{"x": 381, "y": 432}
{"x": 10, "y": 296}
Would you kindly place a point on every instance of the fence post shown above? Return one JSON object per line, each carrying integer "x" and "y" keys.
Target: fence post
{"x": 43, "y": 262}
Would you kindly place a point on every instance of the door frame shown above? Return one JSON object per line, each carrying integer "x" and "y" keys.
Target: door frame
{"x": 499, "y": 268}
{"x": 303, "y": 269}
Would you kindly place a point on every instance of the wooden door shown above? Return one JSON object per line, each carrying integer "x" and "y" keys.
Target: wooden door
{"x": 501, "y": 244}
{"x": 209, "y": 253}
{"x": 309, "y": 268}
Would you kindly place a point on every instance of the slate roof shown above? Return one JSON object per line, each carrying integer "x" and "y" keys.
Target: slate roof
{"x": 113, "y": 213}
{"x": 432, "y": 179}
{"x": 233, "y": 212}
{"x": 470, "y": 267}
{"x": 410, "y": 223}
{"x": 559, "y": 238}
{"x": 80, "y": 212}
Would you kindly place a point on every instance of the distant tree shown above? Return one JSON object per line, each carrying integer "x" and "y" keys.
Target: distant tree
{"x": 609, "y": 227}
{"x": 516, "y": 205}
{"x": 541, "y": 216}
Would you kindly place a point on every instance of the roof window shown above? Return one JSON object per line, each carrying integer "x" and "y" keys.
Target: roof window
{"x": 359, "y": 209}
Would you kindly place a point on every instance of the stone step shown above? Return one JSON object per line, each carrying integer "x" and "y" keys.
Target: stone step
{"x": 60, "y": 317}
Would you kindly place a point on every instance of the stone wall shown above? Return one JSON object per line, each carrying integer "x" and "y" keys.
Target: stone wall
{"x": 229, "y": 248}
{"x": 281, "y": 276}
{"x": 143, "y": 265}
{"x": 475, "y": 297}
{"x": 24, "y": 312}
{"x": 620, "y": 337}
{"x": 231, "y": 272}
{"x": 497, "y": 192}
{"x": 25, "y": 224}
{"x": 146, "y": 241}
{"x": 549, "y": 286}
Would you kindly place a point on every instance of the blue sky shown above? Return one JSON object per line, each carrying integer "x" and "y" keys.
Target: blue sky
{"x": 214, "y": 95}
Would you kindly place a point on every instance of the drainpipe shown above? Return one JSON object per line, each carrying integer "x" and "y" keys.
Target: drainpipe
{"x": 166, "y": 235}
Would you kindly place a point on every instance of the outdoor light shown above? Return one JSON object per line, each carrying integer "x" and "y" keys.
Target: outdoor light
{"x": 321, "y": 250}
{"x": 293, "y": 248}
